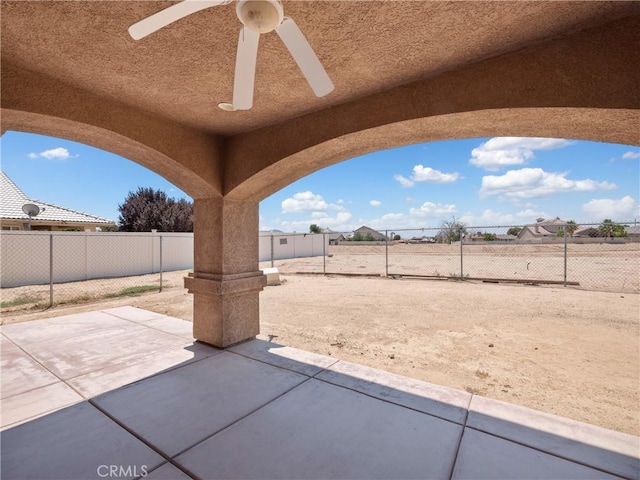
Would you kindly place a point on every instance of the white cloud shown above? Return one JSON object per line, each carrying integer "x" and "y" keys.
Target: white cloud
{"x": 529, "y": 213}
{"x": 426, "y": 174}
{"x": 630, "y": 155}
{"x": 488, "y": 218}
{"x": 341, "y": 222}
{"x": 307, "y": 202}
{"x": 405, "y": 182}
{"x": 375, "y": 203}
{"x": 501, "y": 152}
{"x": 59, "y": 153}
{"x": 492, "y": 218}
{"x": 623, "y": 209}
{"x": 430, "y": 209}
{"x": 535, "y": 182}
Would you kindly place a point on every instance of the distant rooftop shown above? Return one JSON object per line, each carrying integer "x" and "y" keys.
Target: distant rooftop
{"x": 12, "y": 199}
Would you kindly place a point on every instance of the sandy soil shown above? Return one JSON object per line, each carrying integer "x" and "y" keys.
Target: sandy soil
{"x": 566, "y": 351}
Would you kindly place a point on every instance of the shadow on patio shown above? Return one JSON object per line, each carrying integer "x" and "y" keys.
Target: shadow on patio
{"x": 126, "y": 393}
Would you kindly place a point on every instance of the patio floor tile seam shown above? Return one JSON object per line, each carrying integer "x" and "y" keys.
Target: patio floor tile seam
{"x": 235, "y": 422}
{"x": 175, "y": 464}
{"x": 134, "y": 362}
{"x": 40, "y": 414}
{"x": 123, "y": 316}
{"x": 66, "y": 381}
{"x": 151, "y": 375}
{"x": 144, "y": 324}
{"x": 322, "y": 369}
{"x": 464, "y": 429}
{"x": 397, "y": 404}
{"x": 545, "y": 452}
{"x": 59, "y": 380}
{"x": 35, "y": 388}
{"x": 127, "y": 429}
{"x": 47, "y": 369}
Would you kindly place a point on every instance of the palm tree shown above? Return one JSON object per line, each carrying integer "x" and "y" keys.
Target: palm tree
{"x": 571, "y": 227}
{"x": 607, "y": 227}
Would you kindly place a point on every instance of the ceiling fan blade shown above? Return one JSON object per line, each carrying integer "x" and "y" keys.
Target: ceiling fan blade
{"x": 169, "y": 15}
{"x": 305, "y": 57}
{"x": 245, "y": 69}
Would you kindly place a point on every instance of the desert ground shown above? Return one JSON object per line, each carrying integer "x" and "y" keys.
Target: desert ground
{"x": 566, "y": 351}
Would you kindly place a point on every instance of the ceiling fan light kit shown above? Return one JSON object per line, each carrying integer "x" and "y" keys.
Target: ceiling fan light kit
{"x": 261, "y": 16}
{"x": 257, "y": 17}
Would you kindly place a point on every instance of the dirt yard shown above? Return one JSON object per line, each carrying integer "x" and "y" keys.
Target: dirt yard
{"x": 566, "y": 351}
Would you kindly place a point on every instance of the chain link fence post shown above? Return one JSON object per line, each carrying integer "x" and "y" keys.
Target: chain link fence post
{"x": 461, "y": 257}
{"x": 386, "y": 253}
{"x": 564, "y": 234}
{"x": 161, "y": 263}
{"x": 51, "y": 270}
{"x": 324, "y": 253}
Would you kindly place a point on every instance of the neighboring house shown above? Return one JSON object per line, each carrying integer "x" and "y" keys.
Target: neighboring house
{"x": 591, "y": 232}
{"x": 51, "y": 217}
{"x": 542, "y": 229}
{"x": 333, "y": 236}
{"x": 633, "y": 233}
{"x": 364, "y": 231}
{"x": 423, "y": 239}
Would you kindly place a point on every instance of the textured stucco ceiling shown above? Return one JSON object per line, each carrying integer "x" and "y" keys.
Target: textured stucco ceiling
{"x": 182, "y": 72}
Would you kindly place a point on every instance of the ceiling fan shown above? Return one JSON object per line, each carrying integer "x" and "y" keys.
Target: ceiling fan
{"x": 257, "y": 17}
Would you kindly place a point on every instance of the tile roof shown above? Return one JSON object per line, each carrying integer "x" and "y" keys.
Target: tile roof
{"x": 12, "y": 199}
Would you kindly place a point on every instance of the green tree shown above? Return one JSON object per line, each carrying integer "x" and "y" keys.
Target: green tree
{"x": 489, "y": 237}
{"x": 397, "y": 237}
{"x": 313, "y": 228}
{"x": 611, "y": 229}
{"x": 514, "y": 231}
{"x": 369, "y": 238}
{"x": 560, "y": 233}
{"x": 357, "y": 237}
{"x": 148, "y": 209}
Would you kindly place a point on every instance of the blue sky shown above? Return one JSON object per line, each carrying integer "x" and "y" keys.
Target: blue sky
{"x": 481, "y": 181}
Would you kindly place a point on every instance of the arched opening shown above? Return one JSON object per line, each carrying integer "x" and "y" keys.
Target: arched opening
{"x": 94, "y": 236}
{"x": 436, "y": 327}
{"x": 574, "y": 123}
{"x": 161, "y": 159}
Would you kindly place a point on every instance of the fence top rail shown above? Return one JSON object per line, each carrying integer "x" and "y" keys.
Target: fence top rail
{"x": 629, "y": 224}
{"x": 97, "y": 234}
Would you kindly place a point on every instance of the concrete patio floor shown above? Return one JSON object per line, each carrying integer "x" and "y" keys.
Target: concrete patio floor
{"x": 127, "y": 393}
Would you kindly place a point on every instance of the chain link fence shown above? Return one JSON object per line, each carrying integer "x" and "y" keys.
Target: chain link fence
{"x": 42, "y": 269}
{"x": 554, "y": 253}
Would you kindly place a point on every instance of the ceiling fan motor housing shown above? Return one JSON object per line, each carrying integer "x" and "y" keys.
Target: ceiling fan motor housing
{"x": 261, "y": 16}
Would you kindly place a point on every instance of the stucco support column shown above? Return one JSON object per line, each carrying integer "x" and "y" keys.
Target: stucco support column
{"x": 226, "y": 281}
